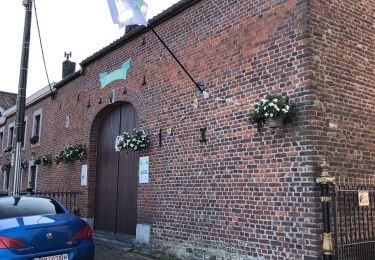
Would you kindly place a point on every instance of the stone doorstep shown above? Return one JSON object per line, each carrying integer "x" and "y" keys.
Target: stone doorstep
{"x": 111, "y": 242}
{"x": 127, "y": 243}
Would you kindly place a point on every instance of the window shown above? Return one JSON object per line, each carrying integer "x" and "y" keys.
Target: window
{"x": 24, "y": 133}
{"x": 1, "y": 140}
{"x": 12, "y": 207}
{"x": 37, "y": 127}
{"x": 31, "y": 183}
{"x": 10, "y": 134}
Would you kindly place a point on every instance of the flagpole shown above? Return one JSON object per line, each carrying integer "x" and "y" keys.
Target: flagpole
{"x": 137, "y": 16}
{"x": 15, "y": 173}
{"x": 198, "y": 85}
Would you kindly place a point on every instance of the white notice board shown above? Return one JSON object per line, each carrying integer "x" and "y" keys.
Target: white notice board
{"x": 84, "y": 175}
{"x": 143, "y": 169}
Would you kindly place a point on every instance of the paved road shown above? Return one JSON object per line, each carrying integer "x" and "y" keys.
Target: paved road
{"x": 106, "y": 253}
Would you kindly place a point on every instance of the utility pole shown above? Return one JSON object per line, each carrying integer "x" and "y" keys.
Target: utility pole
{"x": 15, "y": 172}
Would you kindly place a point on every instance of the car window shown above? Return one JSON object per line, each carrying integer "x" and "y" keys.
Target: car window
{"x": 11, "y": 207}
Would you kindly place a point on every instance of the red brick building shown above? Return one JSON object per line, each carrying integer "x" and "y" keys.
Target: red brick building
{"x": 244, "y": 193}
{"x": 7, "y": 100}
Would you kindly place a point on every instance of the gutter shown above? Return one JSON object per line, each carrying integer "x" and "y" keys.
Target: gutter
{"x": 34, "y": 98}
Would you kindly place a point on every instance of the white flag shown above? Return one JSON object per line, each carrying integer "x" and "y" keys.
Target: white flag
{"x": 128, "y": 12}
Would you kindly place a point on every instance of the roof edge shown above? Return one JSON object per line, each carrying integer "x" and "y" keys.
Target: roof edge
{"x": 68, "y": 79}
{"x": 34, "y": 98}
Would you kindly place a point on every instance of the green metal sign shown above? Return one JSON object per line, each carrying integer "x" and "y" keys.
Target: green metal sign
{"x": 105, "y": 78}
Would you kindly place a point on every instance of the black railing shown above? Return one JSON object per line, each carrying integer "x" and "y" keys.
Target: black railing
{"x": 70, "y": 199}
{"x": 354, "y": 223}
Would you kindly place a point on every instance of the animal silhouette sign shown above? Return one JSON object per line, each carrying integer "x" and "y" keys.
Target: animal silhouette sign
{"x": 105, "y": 78}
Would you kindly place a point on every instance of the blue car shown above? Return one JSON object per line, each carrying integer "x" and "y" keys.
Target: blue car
{"x": 41, "y": 228}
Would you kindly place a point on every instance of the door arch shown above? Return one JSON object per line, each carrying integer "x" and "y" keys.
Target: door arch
{"x": 116, "y": 175}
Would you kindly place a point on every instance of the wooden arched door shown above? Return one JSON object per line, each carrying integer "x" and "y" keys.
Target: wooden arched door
{"x": 116, "y": 175}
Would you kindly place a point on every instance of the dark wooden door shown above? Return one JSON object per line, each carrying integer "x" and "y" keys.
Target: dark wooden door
{"x": 117, "y": 179}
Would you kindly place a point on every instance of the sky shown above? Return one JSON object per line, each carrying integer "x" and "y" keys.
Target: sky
{"x": 82, "y": 27}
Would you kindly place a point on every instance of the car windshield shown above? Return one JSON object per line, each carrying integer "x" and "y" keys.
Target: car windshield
{"x": 11, "y": 207}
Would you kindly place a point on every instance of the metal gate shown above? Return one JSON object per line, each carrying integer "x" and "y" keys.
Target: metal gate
{"x": 354, "y": 222}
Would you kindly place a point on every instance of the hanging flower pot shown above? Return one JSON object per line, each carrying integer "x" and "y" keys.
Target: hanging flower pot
{"x": 5, "y": 167}
{"x": 43, "y": 160}
{"x": 8, "y": 150}
{"x": 34, "y": 139}
{"x": 274, "y": 122}
{"x": 69, "y": 154}
{"x": 137, "y": 141}
{"x": 272, "y": 110}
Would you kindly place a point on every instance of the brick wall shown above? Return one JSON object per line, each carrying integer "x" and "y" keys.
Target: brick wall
{"x": 343, "y": 39}
{"x": 7, "y": 99}
{"x": 246, "y": 192}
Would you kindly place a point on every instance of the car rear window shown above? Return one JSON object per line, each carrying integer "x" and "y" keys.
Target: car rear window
{"x": 11, "y": 207}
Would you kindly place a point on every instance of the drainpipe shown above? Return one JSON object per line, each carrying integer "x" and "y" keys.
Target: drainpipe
{"x": 325, "y": 180}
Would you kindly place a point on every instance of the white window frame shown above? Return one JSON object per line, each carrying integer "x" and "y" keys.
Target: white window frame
{"x": 38, "y": 112}
{"x": 2, "y": 142}
{"x": 4, "y": 181}
{"x": 13, "y": 124}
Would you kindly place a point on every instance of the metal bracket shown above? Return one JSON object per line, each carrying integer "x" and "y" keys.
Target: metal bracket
{"x": 203, "y": 135}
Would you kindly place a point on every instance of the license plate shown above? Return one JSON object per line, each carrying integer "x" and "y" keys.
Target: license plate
{"x": 53, "y": 257}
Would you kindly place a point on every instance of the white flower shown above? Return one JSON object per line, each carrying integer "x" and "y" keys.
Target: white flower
{"x": 287, "y": 107}
{"x": 263, "y": 100}
{"x": 271, "y": 115}
{"x": 274, "y": 100}
{"x": 266, "y": 114}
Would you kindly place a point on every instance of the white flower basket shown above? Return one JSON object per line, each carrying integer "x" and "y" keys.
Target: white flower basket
{"x": 275, "y": 122}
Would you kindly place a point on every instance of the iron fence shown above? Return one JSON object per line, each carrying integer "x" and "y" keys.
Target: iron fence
{"x": 70, "y": 199}
{"x": 354, "y": 223}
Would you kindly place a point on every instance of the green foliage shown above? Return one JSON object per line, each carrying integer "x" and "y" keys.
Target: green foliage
{"x": 5, "y": 167}
{"x": 24, "y": 164}
{"x": 71, "y": 153}
{"x": 138, "y": 141}
{"x": 43, "y": 160}
{"x": 271, "y": 107}
{"x": 8, "y": 149}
